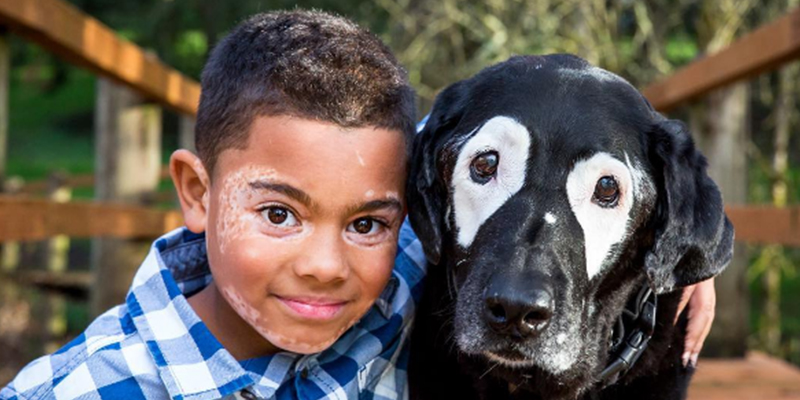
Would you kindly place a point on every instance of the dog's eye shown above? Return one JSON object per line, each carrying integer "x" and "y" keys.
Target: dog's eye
{"x": 606, "y": 192}
{"x": 484, "y": 166}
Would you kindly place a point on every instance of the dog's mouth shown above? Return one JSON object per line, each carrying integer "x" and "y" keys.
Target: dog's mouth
{"x": 510, "y": 358}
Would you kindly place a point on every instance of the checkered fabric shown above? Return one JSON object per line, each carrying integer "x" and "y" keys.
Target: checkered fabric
{"x": 155, "y": 347}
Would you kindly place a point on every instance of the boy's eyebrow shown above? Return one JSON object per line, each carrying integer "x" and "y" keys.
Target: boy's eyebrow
{"x": 378, "y": 204}
{"x": 286, "y": 190}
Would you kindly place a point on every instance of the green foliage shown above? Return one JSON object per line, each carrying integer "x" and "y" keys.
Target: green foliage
{"x": 681, "y": 49}
{"x": 192, "y": 44}
{"x": 48, "y": 128}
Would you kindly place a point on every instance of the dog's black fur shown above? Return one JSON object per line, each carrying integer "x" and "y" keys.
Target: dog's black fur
{"x": 677, "y": 235}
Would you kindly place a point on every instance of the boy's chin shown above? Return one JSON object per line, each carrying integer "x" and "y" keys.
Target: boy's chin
{"x": 305, "y": 343}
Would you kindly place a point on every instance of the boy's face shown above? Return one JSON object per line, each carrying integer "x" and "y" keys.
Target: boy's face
{"x": 302, "y": 227}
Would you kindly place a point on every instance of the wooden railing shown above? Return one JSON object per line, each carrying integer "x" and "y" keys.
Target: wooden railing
{"x": 33, "y": 219}
{"x": 763, "y": 50}
{"x": 66, "y": 31}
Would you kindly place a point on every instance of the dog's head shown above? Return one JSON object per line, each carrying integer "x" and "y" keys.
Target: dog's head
{"x": 550, "y": 189}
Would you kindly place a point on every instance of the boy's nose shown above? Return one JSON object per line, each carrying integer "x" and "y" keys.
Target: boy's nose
{"x": 323, "y": 259}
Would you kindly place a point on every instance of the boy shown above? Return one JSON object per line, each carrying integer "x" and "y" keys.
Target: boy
{"x": 282, "y": 283}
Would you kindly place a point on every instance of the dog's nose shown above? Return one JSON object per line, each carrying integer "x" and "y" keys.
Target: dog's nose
{"x": 519, "y": 314}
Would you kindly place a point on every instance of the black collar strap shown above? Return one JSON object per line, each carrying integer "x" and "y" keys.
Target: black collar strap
{"x": 627, "y": 348}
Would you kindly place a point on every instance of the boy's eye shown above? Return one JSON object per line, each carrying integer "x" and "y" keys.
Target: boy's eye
{"x": 279, "y": 216}
{"x": 364, "y": 226}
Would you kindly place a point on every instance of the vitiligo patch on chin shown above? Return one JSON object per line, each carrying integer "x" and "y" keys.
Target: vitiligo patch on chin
{"x": 268, "y": 331}
{"x": 473, "y": 202}
{"x": 602, "y": 227}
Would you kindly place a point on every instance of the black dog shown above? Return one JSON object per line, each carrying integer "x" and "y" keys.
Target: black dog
{"x": 557, "y": 209}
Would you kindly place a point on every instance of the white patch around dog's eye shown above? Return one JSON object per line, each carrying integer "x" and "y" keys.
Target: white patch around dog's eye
{"x": 604, "y": 222}
{"x": 482, "y": 184}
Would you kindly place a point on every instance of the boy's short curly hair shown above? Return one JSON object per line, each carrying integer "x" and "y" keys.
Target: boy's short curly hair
{"x": 308, "y": 64}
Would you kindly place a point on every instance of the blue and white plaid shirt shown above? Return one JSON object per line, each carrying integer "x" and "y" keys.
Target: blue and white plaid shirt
{"x": 155, "y": 346}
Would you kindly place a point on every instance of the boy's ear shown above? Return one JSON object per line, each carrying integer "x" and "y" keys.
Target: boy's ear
{"x": 192, "y": 184}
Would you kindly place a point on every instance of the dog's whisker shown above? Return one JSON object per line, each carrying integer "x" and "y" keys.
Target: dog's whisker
{"x": 488, "y": 370}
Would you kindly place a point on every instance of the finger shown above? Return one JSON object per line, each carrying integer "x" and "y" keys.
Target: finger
{"x": 698, "y": 346}
{"x": 701, "y": 315}
{"x": 696, "y": 331}
{"x": 685, "y": 297}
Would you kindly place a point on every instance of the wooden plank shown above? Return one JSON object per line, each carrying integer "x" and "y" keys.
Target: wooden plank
{"x": 127, "y": 166}
{"x": 75, "y": 284}
{"x": 5, "y": 75}
{"x": 73, "y": 181}
{"x": 65, "y": 30}
{"x": 756, "y": 377}
{"x": 186, "y": 127}
{"x": 762, "y": 50}
{"x": 33, "y": 219}
{"x": 766, "y": 225}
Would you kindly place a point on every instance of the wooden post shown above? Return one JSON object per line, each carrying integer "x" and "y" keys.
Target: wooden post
{"x": 9, "y": 252}
{"x": 720, "y": 125}
{"x": 127, "y": 167}
{"x": 5, "y": 66}
{"x": 186, "y": 133}
{"x": 57, "y": 248}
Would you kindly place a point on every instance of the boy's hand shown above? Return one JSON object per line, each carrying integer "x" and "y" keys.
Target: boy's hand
{"x": 701, "y": 299}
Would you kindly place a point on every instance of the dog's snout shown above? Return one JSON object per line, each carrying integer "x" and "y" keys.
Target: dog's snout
{"x": 518, "y": 313}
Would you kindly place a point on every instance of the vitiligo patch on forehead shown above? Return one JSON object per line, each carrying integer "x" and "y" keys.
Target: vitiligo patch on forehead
{"x": 602, "y": 227}
{"x": 474, "y": 203}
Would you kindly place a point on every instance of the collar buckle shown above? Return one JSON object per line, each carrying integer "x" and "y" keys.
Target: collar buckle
{"x": 627, "y": 349}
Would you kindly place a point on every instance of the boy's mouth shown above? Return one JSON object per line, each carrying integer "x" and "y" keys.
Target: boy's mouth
{"x": 313, "y": 308}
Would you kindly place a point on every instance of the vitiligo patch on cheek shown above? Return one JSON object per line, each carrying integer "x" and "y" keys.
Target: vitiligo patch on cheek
{"x": 234, "y": 217}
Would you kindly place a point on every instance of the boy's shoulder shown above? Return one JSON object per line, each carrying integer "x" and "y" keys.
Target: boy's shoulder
{"x": 108, "y": 360}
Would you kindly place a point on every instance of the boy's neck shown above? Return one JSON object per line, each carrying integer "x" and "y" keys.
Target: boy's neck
{"x": 236, "y": 335}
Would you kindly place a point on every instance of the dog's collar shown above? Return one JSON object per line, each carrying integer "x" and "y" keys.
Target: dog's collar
{"x": 638, "y": 318}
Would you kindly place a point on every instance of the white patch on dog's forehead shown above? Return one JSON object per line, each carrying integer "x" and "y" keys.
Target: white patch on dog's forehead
{"x": 549, "y": 218}
{"x": 474, "y": 203}
{"x": 602, "y": 227}
{"x": 593, "y": 72}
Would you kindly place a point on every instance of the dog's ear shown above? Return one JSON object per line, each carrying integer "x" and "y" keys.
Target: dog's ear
{"x": 693, "y": 237}
{"x": 426, "y": 189}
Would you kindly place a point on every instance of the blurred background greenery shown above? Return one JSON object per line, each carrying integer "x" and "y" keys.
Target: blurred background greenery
{"x": 439, "y": 42}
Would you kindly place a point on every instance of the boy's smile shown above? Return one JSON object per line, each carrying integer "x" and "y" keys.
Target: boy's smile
{"x": 301, "y": 229}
